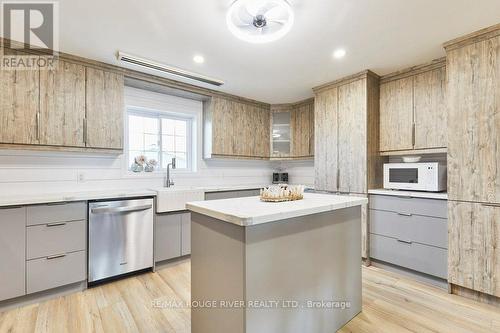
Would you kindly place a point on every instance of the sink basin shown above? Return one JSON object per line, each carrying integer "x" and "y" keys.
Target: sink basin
{"x": 171, "y": 199}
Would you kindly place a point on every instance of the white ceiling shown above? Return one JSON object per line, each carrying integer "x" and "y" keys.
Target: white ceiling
{"x": 381, "y": 35}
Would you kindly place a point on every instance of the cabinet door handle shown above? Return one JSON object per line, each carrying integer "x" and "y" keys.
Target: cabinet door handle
{"x": 85, "y": 130}
{"x": 38, "y": 125}
{"x": 413, "y": 134}
{"x": 404, "y": 241}
{"x": 56, "y": 256}
{"x": 57, "y": 224}
{"x": 405, "y": 214}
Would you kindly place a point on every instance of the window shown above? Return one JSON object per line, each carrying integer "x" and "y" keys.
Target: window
{"x": 159, "y": 136}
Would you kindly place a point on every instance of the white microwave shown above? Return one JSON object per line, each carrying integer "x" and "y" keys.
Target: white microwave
{"x": 415, "y": 176}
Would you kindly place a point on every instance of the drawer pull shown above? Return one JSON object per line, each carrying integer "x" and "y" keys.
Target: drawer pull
{"x": 405, "y": 214}
{"x": 404, "y": 241}
{"x": 56, "y": 256}
{"x": 11, "y": 207}
{"x": 495, "y": 205}
{"x": 57, "y": 224}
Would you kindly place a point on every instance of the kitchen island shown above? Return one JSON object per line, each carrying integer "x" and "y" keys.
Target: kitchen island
{"x": 275, "y": 267}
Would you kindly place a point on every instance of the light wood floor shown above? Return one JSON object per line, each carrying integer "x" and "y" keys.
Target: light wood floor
{"x": 391, "y": 303}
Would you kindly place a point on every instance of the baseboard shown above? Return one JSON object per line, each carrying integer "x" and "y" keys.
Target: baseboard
{"x": 169, "y": 262}
{"x": 474, "y": 295}
{"x": 42, "y": 296}
{"x": 421, "y": 277}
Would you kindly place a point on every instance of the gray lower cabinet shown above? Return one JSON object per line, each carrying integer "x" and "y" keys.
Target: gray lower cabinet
{"x": 56, "y": 212}
{"x": 167, "y": 236}
{"x": 12, "y": 252}
{"x": 56, "y": 244}
{"x": 172, "y": 235}
{"x": 55, "y": 271}
{"x": 42, "y": 247}
{"x": 231, "y": 194}
{"x": 410, "y": 232}
{"x": 418, "y": 257}
{"x": 186, "y": 234}
{"x": 55, "y": 238}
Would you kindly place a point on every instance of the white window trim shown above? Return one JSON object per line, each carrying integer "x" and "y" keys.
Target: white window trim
{"x": 160, "y": 102}
{"x": 159, "y": 114}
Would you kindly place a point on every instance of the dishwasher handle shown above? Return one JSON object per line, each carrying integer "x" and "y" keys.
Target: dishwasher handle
{"x": 124, "y": 209}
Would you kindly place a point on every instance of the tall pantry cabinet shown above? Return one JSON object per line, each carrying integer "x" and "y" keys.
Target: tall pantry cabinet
{"x": 346, "y": 158}
{"x": 473, "y": 66}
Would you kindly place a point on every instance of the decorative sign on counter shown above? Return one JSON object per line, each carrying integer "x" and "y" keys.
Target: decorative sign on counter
{"x": 282, "y": 192}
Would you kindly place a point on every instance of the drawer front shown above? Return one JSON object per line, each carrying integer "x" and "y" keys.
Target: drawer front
{"x": 55, "y": 238}
{"x": 42, "y": 214}
{"x": 408, "y": 205}
{"x": 46, "y": 273}
{"x": 231, "y": 194}
{"x": 422, "y": 258}
{"x": 416, "y": 228}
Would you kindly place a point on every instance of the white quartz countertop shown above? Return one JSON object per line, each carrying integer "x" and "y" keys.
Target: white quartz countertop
{"x": 41, "y": 198}
{"x": 412, "y": 194}
{"x": 250, "y": 211}
{"x": 68, "y": 196}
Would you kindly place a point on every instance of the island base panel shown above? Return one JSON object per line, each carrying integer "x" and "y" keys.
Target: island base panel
{"x": 313, "y": 260}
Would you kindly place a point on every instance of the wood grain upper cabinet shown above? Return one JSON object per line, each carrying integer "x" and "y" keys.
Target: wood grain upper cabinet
{"x": 430, "y": 109}
{"x": 474, "y": 121}
{"x": 474, "y": 254}
{"x": 352, "y": 137}
{"x": 234, "y": 129}
{"x": 62, "y": 105}
{"x": 413, "y": 108}
{"x": 105, "y": 109}
{"x": 302, "y": 129}
{"x": 325, "y": 140}
{"x": 19, "y": 105}
{"x": 396, "y": 115}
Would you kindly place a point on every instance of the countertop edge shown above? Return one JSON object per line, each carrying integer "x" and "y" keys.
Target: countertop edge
{"x": 412, "y": 194}
{"x": 247, "y": 221}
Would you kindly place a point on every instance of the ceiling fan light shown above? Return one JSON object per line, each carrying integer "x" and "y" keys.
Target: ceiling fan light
{"x": 260, "y": 21}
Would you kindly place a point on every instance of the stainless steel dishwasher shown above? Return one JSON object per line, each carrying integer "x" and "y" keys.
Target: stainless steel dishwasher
{"x": 120, "y": 237}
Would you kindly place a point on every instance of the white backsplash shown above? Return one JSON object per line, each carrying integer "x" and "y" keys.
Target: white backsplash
{"x": 26, "y": 172}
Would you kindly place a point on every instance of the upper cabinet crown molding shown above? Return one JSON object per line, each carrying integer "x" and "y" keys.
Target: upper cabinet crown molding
{"x": 414, "y": 70}
{"x": 475, "y": 37}
{"x": 346, "y": 80}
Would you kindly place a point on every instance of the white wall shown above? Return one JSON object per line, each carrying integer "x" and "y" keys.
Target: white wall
{"x": 31, "y": 172}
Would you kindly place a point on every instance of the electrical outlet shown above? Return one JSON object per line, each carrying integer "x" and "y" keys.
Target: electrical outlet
{"x": 81, "y": 177}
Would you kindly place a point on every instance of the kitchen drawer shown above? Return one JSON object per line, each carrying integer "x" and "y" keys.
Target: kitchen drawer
{"x": 55, "y": 238}
{"x": 59, "y": 212}
{"x": 416, "y": 228}
{"x": 46, "y": 273}
{"x": 409, "y": 205}
{"x": 422, "y": 258}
